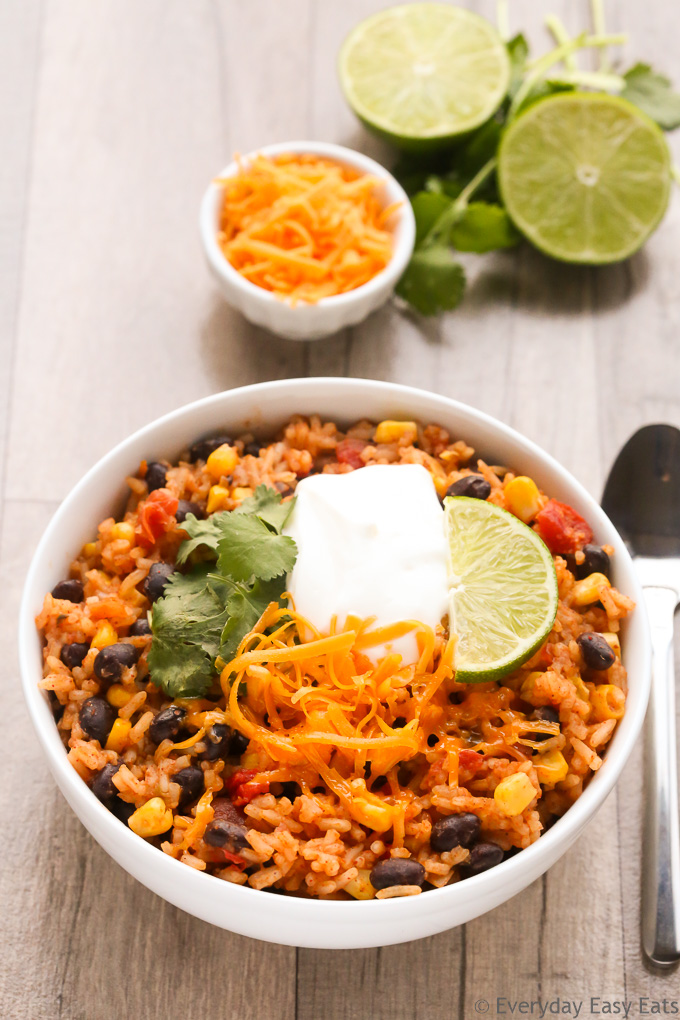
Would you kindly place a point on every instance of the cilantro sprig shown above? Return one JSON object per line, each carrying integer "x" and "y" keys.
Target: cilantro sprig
{"x": 455, "y": 199}
{"x": 236, "y": 564}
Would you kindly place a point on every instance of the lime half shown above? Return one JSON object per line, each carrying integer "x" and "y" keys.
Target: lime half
{"x": 585, "y": 176}
{"x": 422, "y": 74}
{"x": 503, "y": 589}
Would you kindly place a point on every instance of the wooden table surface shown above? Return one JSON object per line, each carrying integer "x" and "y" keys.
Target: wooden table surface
{"x": 114, "y": 115}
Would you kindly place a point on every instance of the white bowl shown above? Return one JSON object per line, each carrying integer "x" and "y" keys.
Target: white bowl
{"x": 304, "y": 321}
{"x": 281, "y": 918}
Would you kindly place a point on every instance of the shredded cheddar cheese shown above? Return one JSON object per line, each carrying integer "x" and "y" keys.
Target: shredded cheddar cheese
{"x": 320, "y": 710}
{"x": 304, "y": 228}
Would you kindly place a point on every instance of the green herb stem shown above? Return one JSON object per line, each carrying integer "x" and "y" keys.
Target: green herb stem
{"x": 561, "y": 36}
{"x": 600, "y": 80}
{"x": 443, "y": 224}
{"x": 540, "y": 68}
{"x": 597, "y": 8}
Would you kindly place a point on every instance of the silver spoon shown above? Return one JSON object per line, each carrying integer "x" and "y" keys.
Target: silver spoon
{"x": 642, "y": 498}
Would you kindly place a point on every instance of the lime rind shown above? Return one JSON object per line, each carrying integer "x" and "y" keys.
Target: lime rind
{"x": 586, "y": 177}
{"x": 503, "y": 589}
{"x": 424, "y": 72}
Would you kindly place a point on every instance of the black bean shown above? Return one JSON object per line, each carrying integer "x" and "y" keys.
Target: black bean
{"x": 432, "y": 740}
{"x": 252, "y": 449}
{"x": 102, "y": 784}
{"x": 69, "y": 590}
{"x": 110, "y": 661}
{"x": 220, "y": 832}
{"x": 96, "y": 718}
{"x": 166, "y": 724}
{"x": 73, "y": 654}
{"x": 596, "y": 562}
{"x": 455, "y": 830}
{"x": 202, "y": 449}
{"x": 121, "y": 809}
{"x": 378, "y": 782}
{"x": 457, "y": 697}
{"x": 596, "y": 652}
{"x": 546, "y": 713}
{"x": 399, "y": 722}
{"x": 140, "y": 628}
{"x": 397, "y": 871}
{"x": 185, "y": 507}
{"x": 473, "y": 486}
{"x": 291, "y": 790}
{"x": 238, "y": 744}
{"x": 155, "y": 476}
{"x": 217, "y": 741}
{"x": 155, "y": 581}
{"x": 482, "y": 857}
{"x": 191, "y": 784}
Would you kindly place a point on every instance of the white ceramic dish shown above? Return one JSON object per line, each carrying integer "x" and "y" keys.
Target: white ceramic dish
{"x": 310, "y": 322}
{"x": 280, "y": 918}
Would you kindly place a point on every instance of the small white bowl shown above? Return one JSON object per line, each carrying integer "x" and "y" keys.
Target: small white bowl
{"x": 286, "y": 919}
{"x": 305, "y": 321}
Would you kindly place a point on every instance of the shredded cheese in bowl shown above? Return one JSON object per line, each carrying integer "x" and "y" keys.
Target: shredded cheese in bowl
{"x": 303, "y": 227}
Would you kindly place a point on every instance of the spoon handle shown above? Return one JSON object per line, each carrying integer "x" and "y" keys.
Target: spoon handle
{"x": 661, "y": 846}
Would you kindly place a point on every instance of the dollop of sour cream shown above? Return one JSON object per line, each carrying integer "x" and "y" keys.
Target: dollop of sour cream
{"x": 371, "y": 543}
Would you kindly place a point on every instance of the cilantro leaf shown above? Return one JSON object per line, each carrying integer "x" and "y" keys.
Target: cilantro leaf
{"x": 245, "y": 607}
{"x": 433, "y": 282}
{"x": 201, "y": 533}
{"x": 187, "y": 625}
{"x": 427, "y": 208}
{"x": 182, "y": 669}
{"x": 266, "y": 504}
{"x": 206, "y": 612}
{"x": 653, "y": 93}
{"x": 483, "y": 227}
{"x": 247, "y": 549}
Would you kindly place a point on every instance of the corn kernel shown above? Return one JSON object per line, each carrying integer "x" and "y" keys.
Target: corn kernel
{"x": 123, "y": 530}
{"x": 378, "y": 816}
{"x": 89, "y": 549}
{"x": 222, "y": 461}
{"x": 360, "y": 887}
{"x": 608, "y": 702}
{"x": 240, "y": 492}
{"x": 394, "y": 431}
{"x": 217, "y": 497}
{"x": 527, "y": 689}
{"x": 104, "y": 635}
{"x": 588, "y": 590}
{"x": 118, "y": 696}
{"x": 614, "y": 643}
{"x": 551, "y": 767}
{"x": 151, "y": 819}
{"x": 118, "y": 735}
{"x": 514, "y": 793}
{"x": 522, "y": 498}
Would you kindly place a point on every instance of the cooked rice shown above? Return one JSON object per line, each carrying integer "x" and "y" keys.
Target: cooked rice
{"x": 307, "y": 843}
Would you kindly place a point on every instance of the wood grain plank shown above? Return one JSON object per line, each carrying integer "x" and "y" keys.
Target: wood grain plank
{"x": 20, "y": 26}
{"x": 117, "y": 304}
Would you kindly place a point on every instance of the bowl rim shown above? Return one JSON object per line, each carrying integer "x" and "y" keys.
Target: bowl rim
{"x": 403, "y": 232}
{"x": 531, "y": 861}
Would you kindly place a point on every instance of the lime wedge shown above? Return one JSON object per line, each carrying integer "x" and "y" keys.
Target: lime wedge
{"x": 503, "y": 589}
{"x": 422, "y": 74}
{"x": 585, "y": 176}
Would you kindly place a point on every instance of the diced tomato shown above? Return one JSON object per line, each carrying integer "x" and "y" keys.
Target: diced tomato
{"x": 241, "y": 787}
{"x": 561, "y": 528}
{"x": 156, "y": 515}
{"x": 470, "y": 760}
{"x": 348, "y": 451}
{"x": 235, "y": 859}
